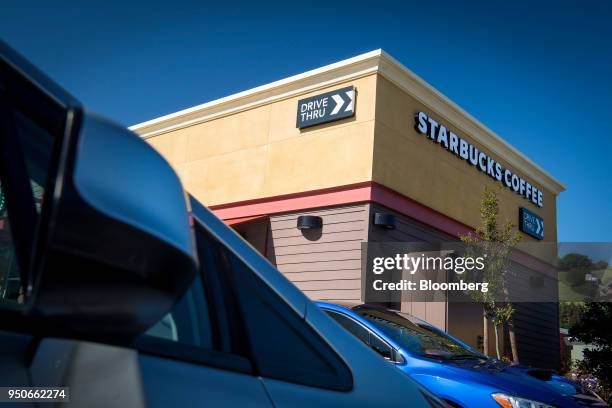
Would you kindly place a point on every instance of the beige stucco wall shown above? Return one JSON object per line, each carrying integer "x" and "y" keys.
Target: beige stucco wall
{"x": 410, "y": 163}
{"x": 260, "y": 153}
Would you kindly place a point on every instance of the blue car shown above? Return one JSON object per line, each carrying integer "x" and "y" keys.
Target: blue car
{"x": 451, "y": 369}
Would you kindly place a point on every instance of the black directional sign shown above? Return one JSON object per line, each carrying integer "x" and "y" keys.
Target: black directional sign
{"x": 327, "y": 107}
{"x": 531, "y": 223}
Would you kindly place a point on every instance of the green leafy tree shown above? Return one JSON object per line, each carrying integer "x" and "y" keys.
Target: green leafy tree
{"x": 595, "y": 328}
{"x": 495, "y": 243}
{"x": 570, "y": 313}
{"x": 576, "y": 277}
{"x": 599, "y": 265}
{"x": 575, "y": 261}
{"x": 576, "y": 267}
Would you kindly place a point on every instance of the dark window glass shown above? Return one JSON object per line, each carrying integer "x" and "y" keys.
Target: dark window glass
{"x": 10, "y": 281}
{"x": 31, "y": 148}
{"x": 352, "y": 326}
{"x": 280, "y": 344}
{"x": 190, "y": 331}
{"x": 414, "y": 335}
{"x": 188, "y": 322}
{"x": 382, "y": 348}
{"x": 37, "y": 145}
{"x": 363, "y": 334}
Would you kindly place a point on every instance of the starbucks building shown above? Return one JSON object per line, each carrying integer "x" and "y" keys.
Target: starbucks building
{"x": 310, "y": 167}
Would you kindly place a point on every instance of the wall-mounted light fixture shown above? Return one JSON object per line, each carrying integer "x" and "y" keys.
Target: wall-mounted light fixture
{"x": 306, "y": 222}
{"x": 384, "y": 220}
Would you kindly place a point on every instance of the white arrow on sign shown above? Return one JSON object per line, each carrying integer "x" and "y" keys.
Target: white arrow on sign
{"x": 539, "y": 226}
{"x": 350, "y": 94}
{"x": 340, "y": 102}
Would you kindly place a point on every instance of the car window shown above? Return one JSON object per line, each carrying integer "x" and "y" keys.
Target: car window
{"x": 36, "y": 144}
{"x": 382, "y": 348}
{"x": 351, "y": 325}
{"x": 413, "y": 335}
{"x": 10, "y": 281}
{"x": 280, "y": 344}
{"x": 188, "y": 322}
{"x": 30, "y": 147}
{"x": 231, "y": 312}
{"x": 371, "y": 339}
{"x": 198, "y": 329}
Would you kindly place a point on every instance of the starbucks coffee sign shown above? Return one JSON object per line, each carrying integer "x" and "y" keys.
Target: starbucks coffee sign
{"x": 437, "y": 132}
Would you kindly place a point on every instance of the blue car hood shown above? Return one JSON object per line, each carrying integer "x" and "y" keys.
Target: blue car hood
{"x": 492, "y": 373}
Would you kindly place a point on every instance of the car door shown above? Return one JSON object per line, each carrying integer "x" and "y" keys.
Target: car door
{"x": 300, "y": 355}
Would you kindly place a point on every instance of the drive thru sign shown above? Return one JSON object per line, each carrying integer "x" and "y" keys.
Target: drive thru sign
{"x": 327, "y": 107}
{"x": 531, "y": 224}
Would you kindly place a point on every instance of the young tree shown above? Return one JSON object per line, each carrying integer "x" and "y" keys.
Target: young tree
{"x": 495, "y": 244}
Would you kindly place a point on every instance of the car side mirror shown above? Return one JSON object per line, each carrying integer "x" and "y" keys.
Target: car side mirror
{"x": 99, "y": 220}
{"x": 116, "y": 251}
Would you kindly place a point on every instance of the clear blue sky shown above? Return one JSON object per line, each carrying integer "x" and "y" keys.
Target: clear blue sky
{"x": 538, "y": 73}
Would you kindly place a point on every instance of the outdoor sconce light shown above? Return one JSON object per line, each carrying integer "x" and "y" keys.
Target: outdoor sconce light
{"x": 306, "y": 222}
{"x": 384, "y": 220}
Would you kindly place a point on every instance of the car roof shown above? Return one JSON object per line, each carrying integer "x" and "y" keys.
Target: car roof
{"x": 348, "y": 310}
{"x": 36, "y": 77}
{"x": 344, "y": 304}
{"x": 354, "y": 305}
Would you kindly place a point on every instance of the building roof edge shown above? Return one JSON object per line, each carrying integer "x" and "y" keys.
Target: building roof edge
{"x": 373, "y": 62}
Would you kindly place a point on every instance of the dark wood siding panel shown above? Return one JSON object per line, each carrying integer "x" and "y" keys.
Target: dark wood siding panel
{"x": 406, "y": 229}
{"x": 536, "y": 323}
{"x": 432, "y": 312}
{"x": 334, "y": 295}
{"x": 325, "y": 264}
{"x": 284, "y": 222}
{"x": 537, "y": 332}
{"x": 410, "y": 230}
{"x": 465, "y": 323}
{"x": 343, "y": 284}
{"x": 306, "y": 258}
{"x": 323, "y": 275}
{"x": 317, "y": 266}
{"x": 352, "y": 245}
{"x": 328, "y": 237}
{"x": 526, "y": 284}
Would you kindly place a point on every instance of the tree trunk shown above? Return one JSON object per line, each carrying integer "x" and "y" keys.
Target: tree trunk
{"x": 485, "y": 333}
{"x": 513, "y": 347}
{"x": 496, "y": 342}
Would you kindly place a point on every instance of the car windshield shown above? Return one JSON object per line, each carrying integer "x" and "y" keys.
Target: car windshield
{"x": 415, "y": 336}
